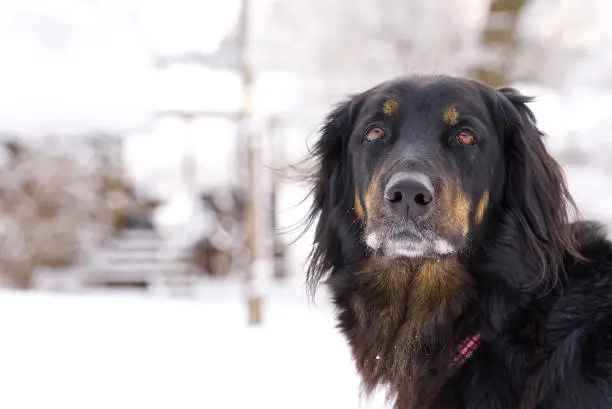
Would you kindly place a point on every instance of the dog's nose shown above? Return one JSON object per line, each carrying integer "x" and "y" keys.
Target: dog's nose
{"x": 409, "y": 194}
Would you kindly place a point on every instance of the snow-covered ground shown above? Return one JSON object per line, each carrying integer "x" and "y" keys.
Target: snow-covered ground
{"x": 127, "y": 351}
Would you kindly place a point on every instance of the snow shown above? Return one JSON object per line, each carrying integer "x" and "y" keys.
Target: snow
{"x": 578, "y": 126}
{"x": 214, "y": 141}
{"x": 127, "y": 351}
{"x": 178, "y": 26}
{"x": 313, "y": 38}
{"x": 188, "y": 86}
{"x": 182, "y": 219}
{"x": 570, "y": 22}
{"x": 586, "y": 185}
{"x": 566, "y": 43}
{"x": 153, "y": 159}
{"x": 76, "y": 68}
{"x": 65, "y": 72}
{"x": 62, "y": 71}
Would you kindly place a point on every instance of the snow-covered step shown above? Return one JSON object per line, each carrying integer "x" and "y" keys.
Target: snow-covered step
{"x": 142, "y": 257}
{"x": 136, "y": 256}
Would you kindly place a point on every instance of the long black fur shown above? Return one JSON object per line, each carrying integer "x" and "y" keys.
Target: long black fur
{"x": 538, "y": 286}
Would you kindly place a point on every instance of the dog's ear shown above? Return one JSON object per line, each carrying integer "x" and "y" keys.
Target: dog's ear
{"x": 332, "y": 191}
{"x": 536, "y": 192}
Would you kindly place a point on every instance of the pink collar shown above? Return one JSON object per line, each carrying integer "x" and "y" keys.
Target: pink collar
{"x": 465, "y": 351}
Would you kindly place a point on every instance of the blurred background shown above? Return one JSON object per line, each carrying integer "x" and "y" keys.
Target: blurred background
{"x": 145, "y": 217}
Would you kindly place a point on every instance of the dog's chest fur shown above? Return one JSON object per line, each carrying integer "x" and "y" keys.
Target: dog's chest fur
{"x": 399, "y": 316}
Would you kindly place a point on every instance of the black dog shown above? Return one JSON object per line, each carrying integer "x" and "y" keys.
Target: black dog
{"x": 445, "y": 232}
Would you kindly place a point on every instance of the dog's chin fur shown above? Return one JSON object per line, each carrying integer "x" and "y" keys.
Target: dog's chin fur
{"x": 524, "y": 281}
{"x": 399, "y": 314}
{"x": 435, "y": 249}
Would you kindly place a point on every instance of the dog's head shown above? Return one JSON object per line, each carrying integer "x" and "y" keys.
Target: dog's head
{"x": 416, "y": 167}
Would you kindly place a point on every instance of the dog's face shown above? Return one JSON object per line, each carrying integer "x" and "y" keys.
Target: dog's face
{"x": 424, "y": 156}
{"x": 425, "y": 167}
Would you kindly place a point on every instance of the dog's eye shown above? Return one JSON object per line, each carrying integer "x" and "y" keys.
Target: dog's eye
{"x": 466, "y": 137}
{"x": 374, "y": 134}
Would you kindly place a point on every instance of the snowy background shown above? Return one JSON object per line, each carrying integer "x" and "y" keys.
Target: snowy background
{"x": 99, "y": 108}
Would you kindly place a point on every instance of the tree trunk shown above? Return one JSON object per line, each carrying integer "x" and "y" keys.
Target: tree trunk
{"x": 500, "y": 38}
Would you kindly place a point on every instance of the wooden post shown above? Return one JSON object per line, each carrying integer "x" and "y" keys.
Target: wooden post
{"x": 276, "y": 149}
{"x": 103, "y": 215}
{"x": 253, "y": 212}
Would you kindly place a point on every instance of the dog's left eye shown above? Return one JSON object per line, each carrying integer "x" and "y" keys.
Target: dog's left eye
{"x": 466, "y": 137}
{"x": 374, "y": 134}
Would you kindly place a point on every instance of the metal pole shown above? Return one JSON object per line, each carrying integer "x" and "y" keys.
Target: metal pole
{"x": 254, "y": 297}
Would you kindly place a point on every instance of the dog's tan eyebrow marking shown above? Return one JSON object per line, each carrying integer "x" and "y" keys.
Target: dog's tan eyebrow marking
{"x": 450, "y": 116}
{"x": 482, "y": 207}
{"x": 390, "y": 107}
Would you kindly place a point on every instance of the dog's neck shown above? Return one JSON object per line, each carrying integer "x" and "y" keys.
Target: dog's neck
{"x": 400, "y": 317}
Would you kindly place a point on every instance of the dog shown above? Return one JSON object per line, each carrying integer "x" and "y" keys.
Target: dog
{"x": 461, "y": 271}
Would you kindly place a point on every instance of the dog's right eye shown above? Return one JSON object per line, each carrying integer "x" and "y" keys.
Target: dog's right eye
{"x": 374, "y": 134}
{"x": 466, "y": 137}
